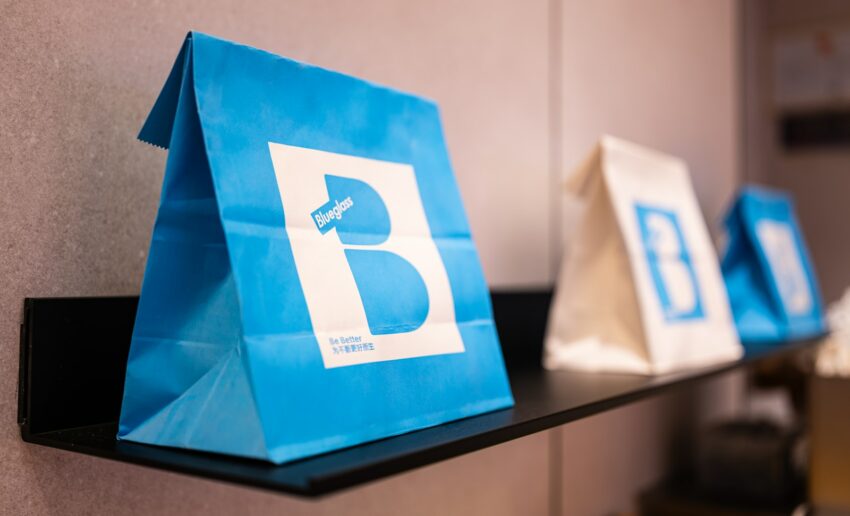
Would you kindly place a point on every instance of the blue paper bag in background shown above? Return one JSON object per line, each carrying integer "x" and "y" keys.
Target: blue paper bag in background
{"x": 768, "y": 273}
{"x": 312, "y": 283}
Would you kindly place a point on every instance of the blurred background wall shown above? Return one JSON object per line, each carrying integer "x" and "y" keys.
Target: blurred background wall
{"x": 817, "y": 175}
{"x": 525, "y": 88}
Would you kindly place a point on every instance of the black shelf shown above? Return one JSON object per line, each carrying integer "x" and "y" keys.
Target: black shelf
{"x": 73, "y": 357}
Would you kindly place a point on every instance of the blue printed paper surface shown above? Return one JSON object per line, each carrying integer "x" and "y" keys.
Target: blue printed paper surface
{"x": 312, "y": 283}
{"x": 670, "y": 264}
{"x": 771, "y": 283}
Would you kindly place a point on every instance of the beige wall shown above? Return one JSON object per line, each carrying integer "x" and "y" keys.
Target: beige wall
{"x": 662, "y": 73}
{"x": 78, "y": 194}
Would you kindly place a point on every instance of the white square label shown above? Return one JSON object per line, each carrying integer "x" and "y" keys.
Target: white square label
{"x": 373, "y": 279}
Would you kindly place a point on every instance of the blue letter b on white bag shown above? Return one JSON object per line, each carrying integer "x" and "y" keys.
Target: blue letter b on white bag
{"x": 670, "y": 263}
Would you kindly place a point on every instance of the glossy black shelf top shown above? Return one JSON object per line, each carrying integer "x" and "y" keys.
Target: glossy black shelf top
{"x": 73, "y": 357}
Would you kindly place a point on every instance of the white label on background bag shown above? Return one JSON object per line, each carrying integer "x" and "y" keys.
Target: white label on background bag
{"x": 786, "y": 265}
{"x": 375, "y": 284}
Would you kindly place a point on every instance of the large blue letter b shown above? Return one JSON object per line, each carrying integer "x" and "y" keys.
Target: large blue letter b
{"x": 393, "y": 292}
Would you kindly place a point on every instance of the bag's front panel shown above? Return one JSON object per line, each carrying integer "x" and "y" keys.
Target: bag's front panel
{"x": 682, "y": 297}
{"x": 364, "y": 305}
{"x": 780, "y": 251}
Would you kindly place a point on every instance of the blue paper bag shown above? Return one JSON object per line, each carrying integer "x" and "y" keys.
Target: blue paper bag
{"x": 772, "y": 287}
{"x": 312, "y": 283}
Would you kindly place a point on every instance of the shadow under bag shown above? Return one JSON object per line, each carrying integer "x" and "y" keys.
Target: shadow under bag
{"x": 311, "y": 283}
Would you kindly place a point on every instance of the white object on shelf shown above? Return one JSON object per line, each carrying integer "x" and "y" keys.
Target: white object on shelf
{"x": 833, "y": 357}
{"x": 640, "y": 289}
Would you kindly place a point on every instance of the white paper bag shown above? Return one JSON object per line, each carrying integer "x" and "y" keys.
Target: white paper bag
{"x": 640, "y": 289}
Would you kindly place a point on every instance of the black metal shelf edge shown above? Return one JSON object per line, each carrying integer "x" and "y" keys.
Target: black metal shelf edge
{"x": 73, "y": 354}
